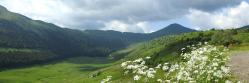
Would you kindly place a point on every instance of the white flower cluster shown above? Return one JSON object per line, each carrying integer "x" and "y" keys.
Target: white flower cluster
{"x": 138, "y": 67}
{"x": 205, "y": 63}
{"x": 107, "y": 79}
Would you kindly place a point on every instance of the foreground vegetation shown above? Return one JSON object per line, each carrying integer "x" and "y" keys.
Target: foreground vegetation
{"x": 168, "y": 49}
{"x": 203, "y": 64}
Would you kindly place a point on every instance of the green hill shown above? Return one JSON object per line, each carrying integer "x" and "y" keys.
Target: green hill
{"x": 26, "y": 41}
{"x": 169, "y": 49}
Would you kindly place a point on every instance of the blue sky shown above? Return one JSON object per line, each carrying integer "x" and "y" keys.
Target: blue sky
{"x": 142, "y": 16}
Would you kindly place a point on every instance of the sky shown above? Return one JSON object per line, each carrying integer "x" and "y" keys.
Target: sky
{"x": 140, "y": 16}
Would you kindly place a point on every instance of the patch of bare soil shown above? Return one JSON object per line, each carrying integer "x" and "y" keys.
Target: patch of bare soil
{"x": 240, "y": 66}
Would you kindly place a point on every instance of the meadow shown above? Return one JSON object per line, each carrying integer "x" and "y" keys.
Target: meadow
{"x": 73, "y": 70}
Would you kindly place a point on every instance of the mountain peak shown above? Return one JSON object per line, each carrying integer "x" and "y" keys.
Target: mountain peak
{"x": 174, "y": 25}
{"x": 172, "y": 29}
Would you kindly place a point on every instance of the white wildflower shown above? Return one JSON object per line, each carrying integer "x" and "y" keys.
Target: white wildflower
{"x": 158, "y": 66}
{"x": 107, "y": 79}
{"x": 159, "y": 80}
{"x": 167, "y": 81}
{"x": 165, "y": 67}
{"x": 239, "y": 82}
{"x": 136, "y": 77}
{"x": 124, "y": 64}
{"x": 225, "y": 69}
{"x": 206, "y": 63}
{"x": 143, "y": 62}
{"x": 138, "y": 60}
{"x": 183, "y": 48}
{"x": 148, "y": 57}
{"x": 228, "y": 81}
{"x": 215, "y": 64}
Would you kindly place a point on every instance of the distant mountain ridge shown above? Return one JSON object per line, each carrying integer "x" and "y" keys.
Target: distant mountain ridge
{"x": 171, "y": 29}
{"x": 24, "y": 40}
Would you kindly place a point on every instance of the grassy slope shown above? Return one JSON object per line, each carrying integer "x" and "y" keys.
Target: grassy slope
{"x": 163, "y": 49}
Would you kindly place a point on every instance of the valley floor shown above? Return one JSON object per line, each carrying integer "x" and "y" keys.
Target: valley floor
{"x": 73, "y": 70}
{"x": 239, "y": 66}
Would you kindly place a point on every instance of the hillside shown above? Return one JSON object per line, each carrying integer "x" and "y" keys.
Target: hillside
{"x": 168, "y": 49}
{"x": 26, "y": 41}
{"x": 171, "y": 30}
{"x": 129, "y": 38}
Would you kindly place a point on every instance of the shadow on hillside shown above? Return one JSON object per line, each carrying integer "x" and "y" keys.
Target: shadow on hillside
{"x": 89, "y": 60}
{"x": 73, "y": 60}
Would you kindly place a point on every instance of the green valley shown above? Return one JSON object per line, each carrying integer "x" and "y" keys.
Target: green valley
{"x": 109, "y": 47}
{"x": 54, "y": 43}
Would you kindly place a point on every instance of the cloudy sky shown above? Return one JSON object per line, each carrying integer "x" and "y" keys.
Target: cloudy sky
{"x": 141, "y": 16}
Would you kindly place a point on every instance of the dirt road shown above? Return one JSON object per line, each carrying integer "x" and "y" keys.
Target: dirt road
{"x": 240, "y": 66}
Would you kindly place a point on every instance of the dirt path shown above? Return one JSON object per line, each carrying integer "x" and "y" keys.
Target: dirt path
{"x": 240, "y": 66}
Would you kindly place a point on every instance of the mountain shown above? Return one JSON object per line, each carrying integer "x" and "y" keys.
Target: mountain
{"x": 247, "y": 26}
{"x": 115, "y": 39}
{"x": 172, "y": 29}
{"x": 26, "y": 41}
{"x": 128, "y": 37}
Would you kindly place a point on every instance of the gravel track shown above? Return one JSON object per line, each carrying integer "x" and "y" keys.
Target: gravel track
{"x": 240, "y": 66}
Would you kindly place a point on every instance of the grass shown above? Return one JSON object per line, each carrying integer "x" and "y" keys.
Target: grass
{"x": 73, "y": 70}
{"x": 119, "y": 77}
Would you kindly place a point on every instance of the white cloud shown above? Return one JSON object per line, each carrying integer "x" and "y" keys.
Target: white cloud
{"x": 145, "y": 27}
{"x": 121, "y": 15}
{"x": 47, "y": 10}
{"x": 140, "y": 27}
{"x": 230, "y": 17}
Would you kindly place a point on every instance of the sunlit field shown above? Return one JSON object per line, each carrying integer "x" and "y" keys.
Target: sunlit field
{"x": 73, "y": 70}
